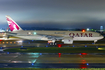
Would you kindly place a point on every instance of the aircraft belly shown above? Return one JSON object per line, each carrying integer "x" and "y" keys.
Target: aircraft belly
{"x": 85, "y": 38}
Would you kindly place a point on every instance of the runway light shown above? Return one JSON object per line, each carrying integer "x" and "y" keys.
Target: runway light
{"x": 21, "y": 46}
{"x": 59, "y": 45}
{"x": 46, "y": 45}
{"x": 101, "y": 48}
{"x": 83, "y": 66}
{"x": 32, "y": 64}
{"x": 73, "y": 45}
{"x": 83, "y": 53}
{"x": 59, "y": 53}
{"x": 40, "y": 53}
{"x": 7, "y": 52}
{"x": 87, "y": 64}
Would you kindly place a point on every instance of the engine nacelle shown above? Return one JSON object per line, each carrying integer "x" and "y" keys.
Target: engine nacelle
{"x": 68, "y": 40}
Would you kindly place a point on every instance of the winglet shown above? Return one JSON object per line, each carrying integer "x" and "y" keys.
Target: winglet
{"x": 12, "y": 24}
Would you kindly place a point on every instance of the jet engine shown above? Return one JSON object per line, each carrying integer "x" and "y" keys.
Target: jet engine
{"x": 68, "y": 40}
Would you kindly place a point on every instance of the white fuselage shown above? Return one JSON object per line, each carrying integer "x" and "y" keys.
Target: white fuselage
{"x": 76, "y": 35}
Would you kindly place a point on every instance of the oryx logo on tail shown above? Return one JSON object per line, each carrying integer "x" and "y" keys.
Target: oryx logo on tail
{"x": 12, "y": 24}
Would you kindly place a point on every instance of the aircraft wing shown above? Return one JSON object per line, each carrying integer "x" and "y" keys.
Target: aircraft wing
{"x": 52, "y": 37}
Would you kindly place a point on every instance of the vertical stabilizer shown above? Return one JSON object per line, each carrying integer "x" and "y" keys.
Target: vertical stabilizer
{"x": 12, "y": 24}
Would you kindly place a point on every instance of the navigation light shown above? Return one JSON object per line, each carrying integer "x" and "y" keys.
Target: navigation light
{"x": 35, "y": 33}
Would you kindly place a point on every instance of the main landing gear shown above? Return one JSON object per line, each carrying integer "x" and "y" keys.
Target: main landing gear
{"x": 54, "y": 43}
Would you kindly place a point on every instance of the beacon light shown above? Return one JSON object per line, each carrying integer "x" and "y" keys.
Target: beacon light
{"x": 83, "y": 30}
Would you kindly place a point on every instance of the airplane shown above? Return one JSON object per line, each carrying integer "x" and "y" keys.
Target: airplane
{"x": 67, "y": 37}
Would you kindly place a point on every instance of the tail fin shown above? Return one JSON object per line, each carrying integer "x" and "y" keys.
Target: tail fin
{"x": 12, "y": 24}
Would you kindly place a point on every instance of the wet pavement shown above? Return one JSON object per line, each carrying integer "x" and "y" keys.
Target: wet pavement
{"x": 48, "y": 60}
{"x": 52, "y": 60}
{"x": 51, "y": 65}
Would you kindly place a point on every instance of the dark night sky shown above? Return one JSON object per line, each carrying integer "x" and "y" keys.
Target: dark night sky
{"x": 54, "y": 13}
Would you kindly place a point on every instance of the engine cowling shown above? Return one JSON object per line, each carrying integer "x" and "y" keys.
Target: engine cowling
{"x": 68, "y": 40}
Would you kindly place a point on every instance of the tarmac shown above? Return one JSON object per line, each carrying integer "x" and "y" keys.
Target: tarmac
{"x": 49, "y": 60}
{"x": 52, "y": 60}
